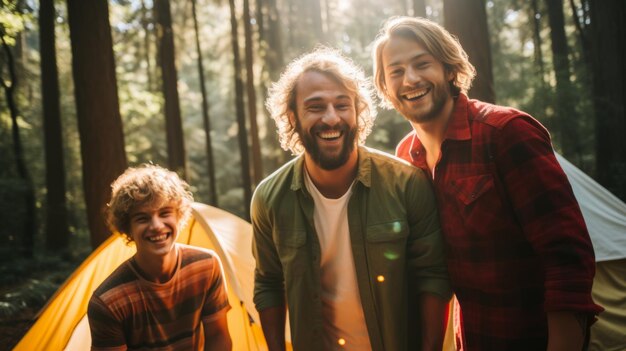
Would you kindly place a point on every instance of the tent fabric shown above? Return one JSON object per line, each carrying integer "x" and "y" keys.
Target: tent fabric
{"x": 609, "y": 291}
{"x": 604, "y": 213}
{"x": 62, "y": 323}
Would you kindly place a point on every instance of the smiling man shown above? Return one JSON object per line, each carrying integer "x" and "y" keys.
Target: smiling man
{"x": 167, "y": 295}
{"x": 519, "y": 255}
{"x": 345, "y": 236}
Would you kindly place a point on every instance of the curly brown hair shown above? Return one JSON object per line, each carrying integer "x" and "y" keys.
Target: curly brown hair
{"x": 434, "y": 38}
{"x": 151, "y": 185}
{"x": 282, "y": 97}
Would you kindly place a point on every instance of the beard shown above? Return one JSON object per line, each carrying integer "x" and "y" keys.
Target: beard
{"x": 323, "y": 159}
{"x": 439, "y": 95}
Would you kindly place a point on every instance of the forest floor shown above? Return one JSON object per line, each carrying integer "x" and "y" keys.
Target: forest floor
{"x": 25, "y": 287}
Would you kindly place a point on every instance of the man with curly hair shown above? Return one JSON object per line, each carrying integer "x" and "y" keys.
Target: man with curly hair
{"x": 519, "y": 256}
{"x": 344, "y": 235}
{"x": 168, "y": 295}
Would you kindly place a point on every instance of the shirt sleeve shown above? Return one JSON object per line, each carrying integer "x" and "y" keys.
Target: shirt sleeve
{"x": 269, "y": 290}
{"x": 425, "y": 252}
{"x": 216, "y": 301}
{"x": 107, "y": 332}
{"x": 544, "y": 205}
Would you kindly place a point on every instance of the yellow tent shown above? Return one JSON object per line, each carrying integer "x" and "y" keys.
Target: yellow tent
{"x": 62, "y": 323}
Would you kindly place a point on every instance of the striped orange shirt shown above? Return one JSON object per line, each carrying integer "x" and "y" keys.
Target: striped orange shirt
{"x": 129, "y": 312}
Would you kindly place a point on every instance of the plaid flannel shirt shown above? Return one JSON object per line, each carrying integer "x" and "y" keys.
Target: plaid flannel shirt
{"x": 517, "y": 245}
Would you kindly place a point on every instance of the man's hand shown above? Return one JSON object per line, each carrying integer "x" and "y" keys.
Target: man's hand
{"x": 566, "y": 330}
{"x": 273, "y": 324}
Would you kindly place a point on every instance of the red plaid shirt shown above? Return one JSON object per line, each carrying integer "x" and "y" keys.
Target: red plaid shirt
{"x": 517, "y": 244}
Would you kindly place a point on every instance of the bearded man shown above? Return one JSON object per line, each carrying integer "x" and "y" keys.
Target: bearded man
{"x": 344, "y": 235}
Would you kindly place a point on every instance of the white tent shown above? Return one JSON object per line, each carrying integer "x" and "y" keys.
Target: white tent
{"x": 605, "y": 216}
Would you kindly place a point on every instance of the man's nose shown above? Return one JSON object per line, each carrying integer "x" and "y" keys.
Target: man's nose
{"x": 156, "y": 222}
{"x": 331, "y": 117}
{"x": 411, "y": 76}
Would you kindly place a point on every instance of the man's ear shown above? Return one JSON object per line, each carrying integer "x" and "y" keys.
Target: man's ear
{"x": 292, "y": 118}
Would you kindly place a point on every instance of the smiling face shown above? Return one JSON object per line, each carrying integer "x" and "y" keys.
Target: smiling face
{"x": 154, "y": 229}
{"x": 416, "y": 83}
{"x": 325, "y": 119}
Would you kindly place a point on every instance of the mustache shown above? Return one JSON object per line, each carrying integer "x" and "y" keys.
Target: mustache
{"x": 322, "y": 127}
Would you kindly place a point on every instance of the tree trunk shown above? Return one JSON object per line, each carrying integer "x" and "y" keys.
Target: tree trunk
{"x": 419, "y": 8}
{"x": 257, "y": 166}
{"x": 57, "y": 230}
{"x": 467, "y": 19}
{"x": 147, "y": 32}
{"x": 97, "y": 108}
{"x": 607, "y": 26}
{"x": 566, "y": 116}
{"x": 205, "y": 112}
{"x": 536, "y": 18}
{"x": 29, "y": 220}
{"x": 241, "y": 118}
{"x": 173, "y": 122}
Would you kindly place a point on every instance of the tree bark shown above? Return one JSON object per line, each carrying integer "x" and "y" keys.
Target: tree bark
{"x": 57, "y": 230}
{"x": 257, "y": 166}
{"x": 173, "y": 122}
{"x": 97, "y": 108}
{"x": 566, "y": 116}
{"x": 607, "y": 33}
{"x": 467, "y": 19}
{"x": 205, "y": 113}
{"x": 419, "y": 8}
{"x": 241, "y": 118}
{"x": 29, "y": 220}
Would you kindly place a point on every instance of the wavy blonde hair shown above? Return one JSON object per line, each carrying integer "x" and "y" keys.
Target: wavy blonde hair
{"x": 281, "y": 99}
{"x": 434, "y": 38}
{"x": 146, "y": 185}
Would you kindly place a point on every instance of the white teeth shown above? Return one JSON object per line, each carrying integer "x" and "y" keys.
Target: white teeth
{"x": 158, "y": 237}
{"x": 416, "y": 94}
{"x": 330, "y": 135}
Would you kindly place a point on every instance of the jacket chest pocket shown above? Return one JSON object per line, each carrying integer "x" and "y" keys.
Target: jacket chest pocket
{"x": 292, "y": 251}
{"x": 386, "y": 243}
{"x": 478, "y": 202}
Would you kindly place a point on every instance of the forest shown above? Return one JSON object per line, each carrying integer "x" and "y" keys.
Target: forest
{"x": 89, "y": 88}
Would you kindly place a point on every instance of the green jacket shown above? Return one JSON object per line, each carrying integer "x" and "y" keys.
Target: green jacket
{"x": 394, "y": 232}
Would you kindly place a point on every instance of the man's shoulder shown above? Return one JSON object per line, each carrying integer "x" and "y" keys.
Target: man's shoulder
{"x": 389, "y": 165}
{"x": 275, "y": 183}
{"x": 496, "y": 116}
{"x": 192, "y": 254}
{"x": 121, "y": 276}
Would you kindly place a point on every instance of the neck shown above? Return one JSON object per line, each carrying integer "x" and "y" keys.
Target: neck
{"x": 333, "y": 183}
{"x": 159, "y": 269}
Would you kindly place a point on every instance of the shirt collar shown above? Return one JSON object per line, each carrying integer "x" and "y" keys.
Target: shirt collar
{"x": 458, "y": 127}
{"x": 363, "y": 175}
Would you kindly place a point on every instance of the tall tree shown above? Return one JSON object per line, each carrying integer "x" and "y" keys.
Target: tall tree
{"x": 9, "y": 84}
{"x": 97, "y": 107}
{"x": 167, "y": 61}
{"x": 566, "y": 118}
{"x": 609, "y": 93}
{"x": 57, "y": 231}
{"x": 241, "y": 116}
{"x": 257, "y": 165}
{"x": 419, "y": 8}
{"x": 205, "y": 112}
{"x": 467, "y": 19}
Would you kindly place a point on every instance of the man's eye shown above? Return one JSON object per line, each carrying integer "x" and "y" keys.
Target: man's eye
{"x": 141, "y": 219}
{"x": 342, "y": 107}
{"x": 396, "y": 73}
{"x": 315, "y": 108}
{"x": 422, "y": 64}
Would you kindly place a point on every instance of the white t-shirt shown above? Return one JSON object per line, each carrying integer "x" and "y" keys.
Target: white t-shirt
{"x": 344, "y": 321}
